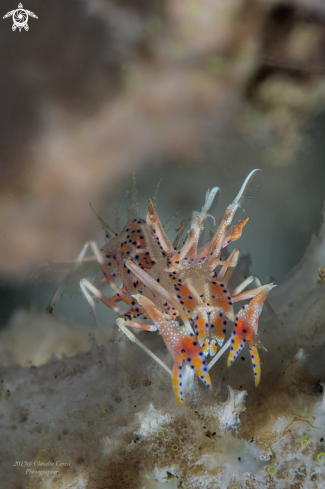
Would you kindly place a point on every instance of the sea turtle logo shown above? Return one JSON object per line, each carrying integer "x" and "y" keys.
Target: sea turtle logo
{"x": 20, "y": 18}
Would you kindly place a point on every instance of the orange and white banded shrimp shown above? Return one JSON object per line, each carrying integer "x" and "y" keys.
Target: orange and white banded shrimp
{"x": 182, "y": 290}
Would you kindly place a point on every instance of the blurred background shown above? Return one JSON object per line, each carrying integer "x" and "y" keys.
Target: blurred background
{"x": 190, "y": 94}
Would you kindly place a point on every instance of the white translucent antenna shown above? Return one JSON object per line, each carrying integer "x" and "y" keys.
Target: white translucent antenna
{"x": 209, "y": 198}
{"x": 133, "y": 211}
{"x": 250, "y": 187}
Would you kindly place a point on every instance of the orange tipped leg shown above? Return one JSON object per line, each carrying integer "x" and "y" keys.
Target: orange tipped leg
{"x": 188, "y": 349}
{"x": 256, "y": 364}
{"x": 200, "y": 367}
{"x": 177, "y": 381}
{"x": 245, "y": 329}
{"x": 201, "y": 328}
{"x": 218, "y": 329}
{"x": 221, "y": 299}
{"x": 245, "y": 326}
{"x": 184, "y": 346}
{"x": 181, "y": 344}
{"x": 237, "y": 344}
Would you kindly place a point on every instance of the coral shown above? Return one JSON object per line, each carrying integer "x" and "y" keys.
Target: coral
{"x": 229, "y": 412}
{"x": 289, "y": 84}
{"x": 26, "y": 330}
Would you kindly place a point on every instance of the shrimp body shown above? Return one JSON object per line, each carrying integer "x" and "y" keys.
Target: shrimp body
{"x": 184, "y": 290}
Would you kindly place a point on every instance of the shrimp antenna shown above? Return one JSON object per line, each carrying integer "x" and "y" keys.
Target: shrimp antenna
{"x": 209, "y": 198}
{"x": 106, "y": 227}
{"x": 170, "y": 222}
{"x": 250, "y": 187}
{"x": 133, "y": 211}
{"x": 154, "y": 198}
